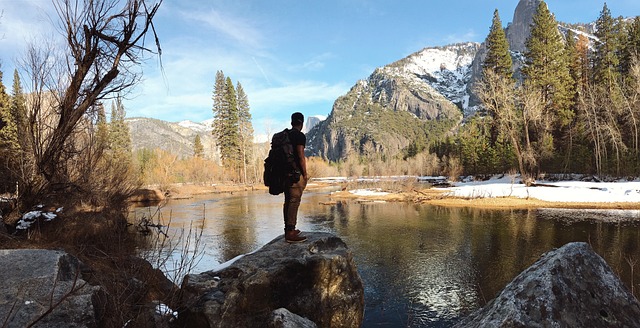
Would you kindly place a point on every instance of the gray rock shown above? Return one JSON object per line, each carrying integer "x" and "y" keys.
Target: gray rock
{"x": 45, "y": 286}
{"x": 568, "y": 287}
{"x": 520, "y": 28}
{"x": 517, "y": 32}
{"x": 282, "y": 318}
{"x": 316, "y": 279}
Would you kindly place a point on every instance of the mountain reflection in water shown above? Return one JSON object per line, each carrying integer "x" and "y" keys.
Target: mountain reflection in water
{"x": 422, "y": 266}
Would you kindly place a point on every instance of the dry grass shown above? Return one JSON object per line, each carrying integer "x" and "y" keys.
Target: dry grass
{"x": 105, "y": 244}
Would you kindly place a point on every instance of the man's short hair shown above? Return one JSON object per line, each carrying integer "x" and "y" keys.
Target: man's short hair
{"x": 297, "y": 118}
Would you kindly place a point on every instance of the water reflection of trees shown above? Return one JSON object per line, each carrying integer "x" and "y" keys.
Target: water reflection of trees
{"x": 453, "y": 260}
{"x": 419, "y": 263}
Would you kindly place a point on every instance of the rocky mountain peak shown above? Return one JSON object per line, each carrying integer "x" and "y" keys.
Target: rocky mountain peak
{"x": 400, "y": 105}
{"x": 520, "y": 28}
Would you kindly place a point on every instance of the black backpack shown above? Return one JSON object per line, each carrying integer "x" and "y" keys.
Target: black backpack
{"x": 280, "y": 168}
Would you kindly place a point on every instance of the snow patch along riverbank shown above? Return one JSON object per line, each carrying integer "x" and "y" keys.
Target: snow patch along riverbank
{"x": 562, "y": 191}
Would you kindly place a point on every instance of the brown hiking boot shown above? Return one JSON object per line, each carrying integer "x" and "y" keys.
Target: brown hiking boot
{"x": 293, "y": 237}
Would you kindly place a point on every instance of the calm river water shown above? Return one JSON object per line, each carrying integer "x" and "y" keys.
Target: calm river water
{"x": 422, "y": 266}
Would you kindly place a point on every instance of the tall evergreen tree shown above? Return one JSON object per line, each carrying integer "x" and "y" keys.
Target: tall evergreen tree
{"x": 573, "y": 62}
{"x": 225, "y": 123}
{"x": 9, "y": 147}
{"x": 198, "y": 148}
{"x": 546, "y": 66}
{"x": 497, "y": 62}
{"x": 8, "y": 134}
{"x": 231, "y": 134}
{"x": 606, "y": 61}
{"x": 574, "y": 65}
{"x": 119, "y": 137}
{"x": 219, "y": 91}
{"x": 632, "y": 46}
{"x": 102, "y": 128}
{"x": 582, "y": 50}
{"x": 498, "y": 57}
{"x": 245, "y": 128}
{"x": 19, "y": 112}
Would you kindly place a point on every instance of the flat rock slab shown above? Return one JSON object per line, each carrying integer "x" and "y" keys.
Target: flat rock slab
{"x": 316, "y": 279}
{"x": 568, "y": 287}
{"x": 45, "y": 287}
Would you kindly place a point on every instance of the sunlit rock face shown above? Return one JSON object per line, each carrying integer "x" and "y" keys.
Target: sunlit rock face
{"x": 316, "y": 279}
{"x": 568, "y": 287}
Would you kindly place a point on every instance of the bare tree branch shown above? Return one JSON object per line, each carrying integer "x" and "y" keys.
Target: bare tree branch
{"x": 105, "y": 43}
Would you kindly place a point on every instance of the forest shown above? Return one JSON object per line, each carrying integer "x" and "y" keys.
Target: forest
{"x": 570, "y": 104}
{"x": 571, "y": 107}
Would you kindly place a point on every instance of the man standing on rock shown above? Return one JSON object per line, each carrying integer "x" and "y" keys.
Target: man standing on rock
{"x": 293, "y": 192}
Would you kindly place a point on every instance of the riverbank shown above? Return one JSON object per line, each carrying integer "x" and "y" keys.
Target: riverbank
{"x": 496, "y": 193}
{"x": 507, "y": 192}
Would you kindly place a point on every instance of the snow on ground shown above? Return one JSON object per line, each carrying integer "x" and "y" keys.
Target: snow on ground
{"x": 164, "y": 310}
{"x": 368, "y": 192}
{"x": 30, "y": 218}
{"x": 562, "y": 191}
{"x": 573, "y": 191}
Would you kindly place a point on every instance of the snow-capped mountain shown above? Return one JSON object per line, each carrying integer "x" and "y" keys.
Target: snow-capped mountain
{"x": 204, "y": 126}
{"x": 404, "y": 104}
{"x": 446, "y": 69}
{"x": 176, "y": 138}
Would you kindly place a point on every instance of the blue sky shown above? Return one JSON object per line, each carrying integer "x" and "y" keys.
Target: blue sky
{"x": 289, "y": 55}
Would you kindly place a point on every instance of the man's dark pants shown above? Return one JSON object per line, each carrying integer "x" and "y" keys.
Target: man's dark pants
{"x": 292, "y": 197}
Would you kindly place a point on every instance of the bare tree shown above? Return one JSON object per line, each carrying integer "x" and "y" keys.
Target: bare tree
{"x": 105, "y": 43}
{"x": 519, "y": 116}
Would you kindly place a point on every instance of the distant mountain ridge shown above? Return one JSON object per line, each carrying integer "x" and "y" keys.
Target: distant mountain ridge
{"x": 435, "y": 86}
{"x": 176, "y": 138}
{"x": 400, "y": 106}
{"x": 406, "y": 103}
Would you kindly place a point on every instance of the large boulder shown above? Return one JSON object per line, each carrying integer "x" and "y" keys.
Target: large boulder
{"x": 568, "y": 287}
{"x": 46, "y": 287}
{"x": 282, "y": 318}
{"x": 316, "y": 279}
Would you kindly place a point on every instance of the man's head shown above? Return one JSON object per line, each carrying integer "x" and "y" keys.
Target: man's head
{"x": 297, "y": 119}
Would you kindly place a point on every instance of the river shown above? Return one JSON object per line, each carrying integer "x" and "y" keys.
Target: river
{"x": 422, "y": 265}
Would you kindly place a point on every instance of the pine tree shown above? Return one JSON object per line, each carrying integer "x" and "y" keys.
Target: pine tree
{"x": 632, "y": 46}
{"x": 19, "y": 113}
{"x": 606, "y": 60}
{"x": 574, "y": 89}
{"x": 198, "y": 148}
{"x": 8, "y": 134}
{"x": 219, "y": 90}
{"x": 102, "y": 128}
{"x": 231, "y": 137}
{"x": 573, "y": 63}
{"x": 498, "y": 57}
{"x": 225, "y": 123}
{"x": 9, "y": 146}
{"x": 119, "y": 138}
{"x": 245, "y": 129}
{"x": 546, "y": 68}
{"x": 582, "y": 50}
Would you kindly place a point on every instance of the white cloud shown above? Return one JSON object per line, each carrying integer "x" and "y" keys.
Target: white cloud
{"x": 297, "y": 94}
{"x": 22, "y": 22}
{"x": 237, "y": 29}
{"x": 314, "y": 64}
